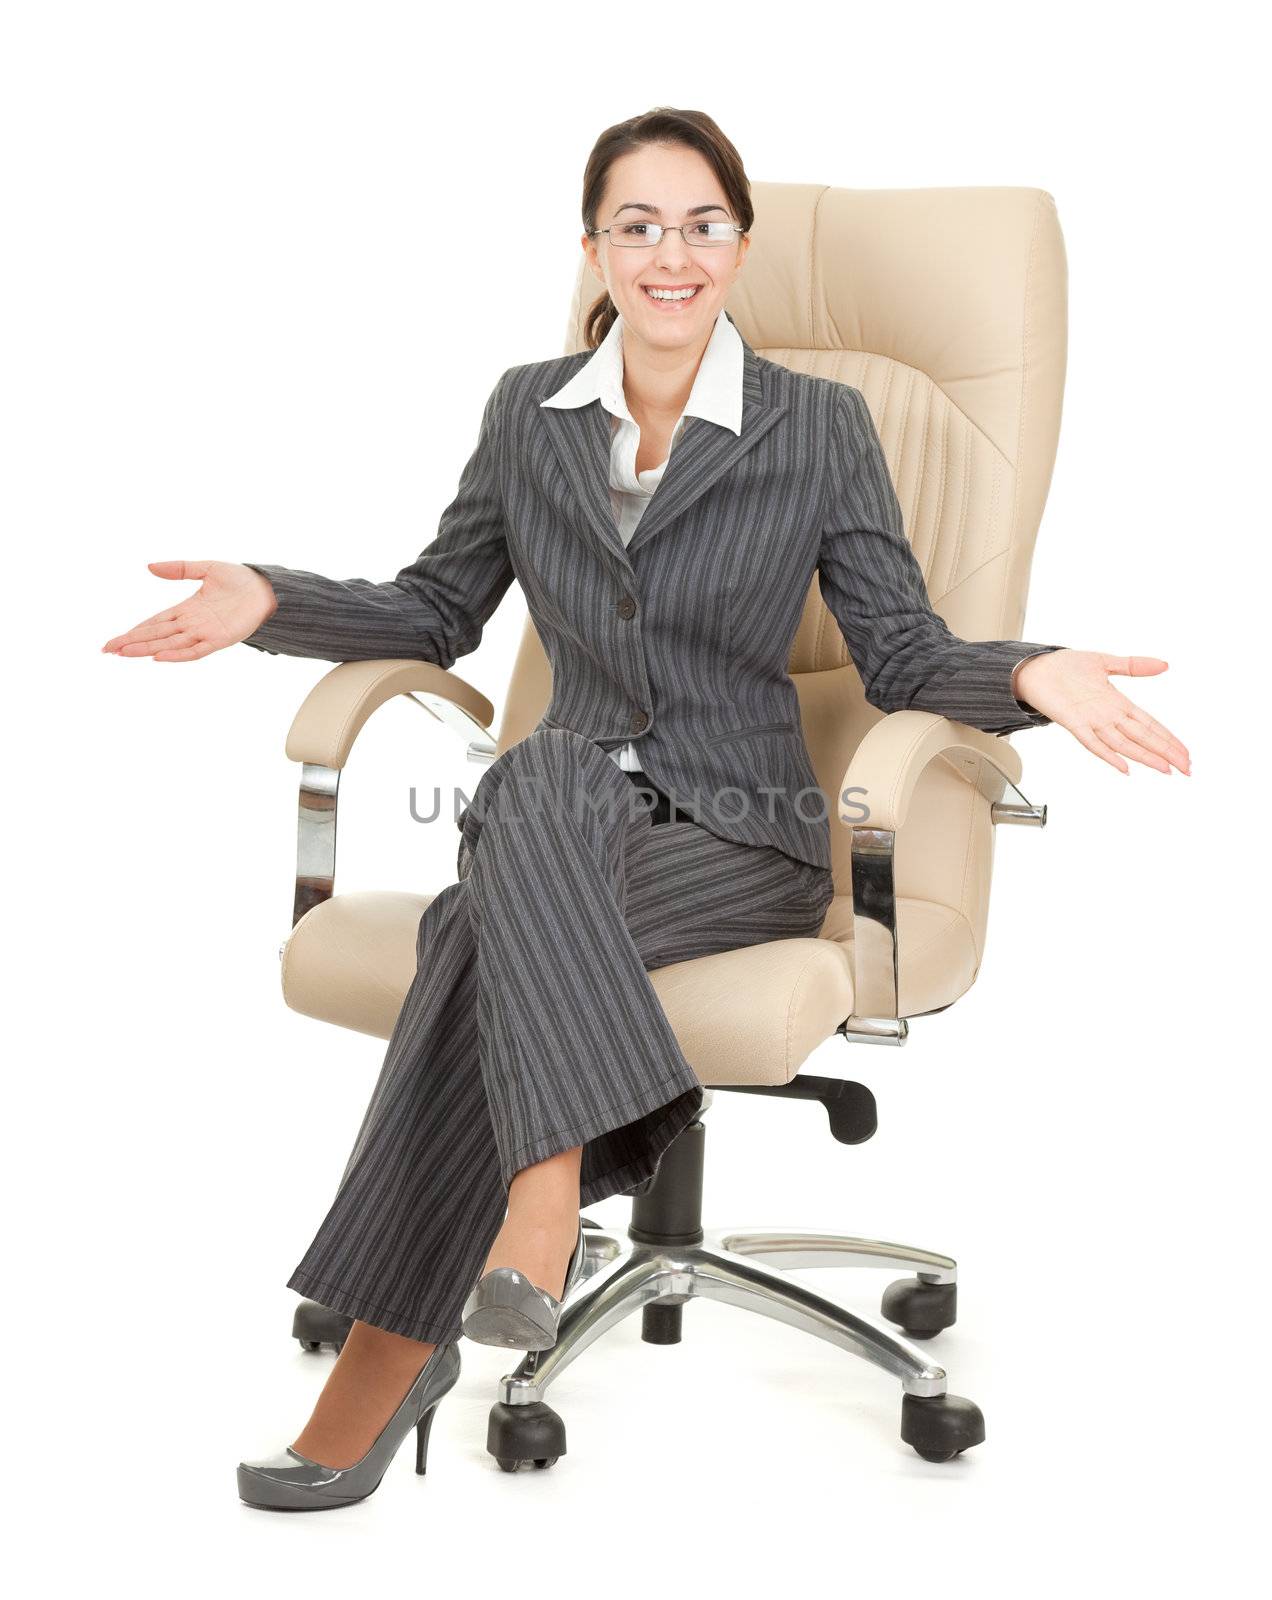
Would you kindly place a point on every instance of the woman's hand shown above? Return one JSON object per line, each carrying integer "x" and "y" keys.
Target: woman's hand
{"x": 1072, "y": 687}
{"x": 232, "y": 603}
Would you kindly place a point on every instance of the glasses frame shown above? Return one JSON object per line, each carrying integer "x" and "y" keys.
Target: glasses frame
{"x": 652, "y": 244}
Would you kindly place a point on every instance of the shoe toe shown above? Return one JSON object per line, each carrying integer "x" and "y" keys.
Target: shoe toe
{"x": 284, "y": 1464}
{"x": 289, "y": 1481}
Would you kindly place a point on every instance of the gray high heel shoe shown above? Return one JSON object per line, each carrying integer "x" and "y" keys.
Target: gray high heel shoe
{"x": 506, "y": 1309}
{"x": 292, "y": 1482}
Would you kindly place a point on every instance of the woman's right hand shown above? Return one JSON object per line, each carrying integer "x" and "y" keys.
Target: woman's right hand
{"x": 230, "y": 604}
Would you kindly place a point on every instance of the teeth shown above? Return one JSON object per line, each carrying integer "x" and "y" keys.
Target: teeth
{"x": 671, "y": 294}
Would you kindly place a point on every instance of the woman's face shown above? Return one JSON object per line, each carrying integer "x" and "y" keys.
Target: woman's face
{"x": 668, "y": 184}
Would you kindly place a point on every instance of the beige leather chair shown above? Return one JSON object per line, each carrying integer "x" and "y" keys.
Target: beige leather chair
{"x": 947, "y": 309}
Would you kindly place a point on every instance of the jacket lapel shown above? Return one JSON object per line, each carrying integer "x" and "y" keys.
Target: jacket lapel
{"x": 581, "y": 438}
{"x": 704, "y": 452}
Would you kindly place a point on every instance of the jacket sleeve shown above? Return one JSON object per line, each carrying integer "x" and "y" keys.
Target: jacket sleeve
{"x": 872, "y": 583}
{"x": 435, "y": 609}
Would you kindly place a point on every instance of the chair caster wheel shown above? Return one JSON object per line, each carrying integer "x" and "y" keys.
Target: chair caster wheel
{"x": 921, "y": 1310}
{"x": 940, "y": 1427}
{"x": 524, "y": 1436}
{"x": 316, "y": 1325}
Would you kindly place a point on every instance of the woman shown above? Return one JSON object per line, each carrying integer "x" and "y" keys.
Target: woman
{"x": 459, "y": 1208}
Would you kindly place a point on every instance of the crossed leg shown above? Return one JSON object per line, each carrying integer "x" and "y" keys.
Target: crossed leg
{"x": 532, "y": 1068}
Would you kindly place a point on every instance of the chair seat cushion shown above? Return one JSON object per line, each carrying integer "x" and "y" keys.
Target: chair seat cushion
{"x": 752, "y": 1015}
{"x": 744, "y": 1016}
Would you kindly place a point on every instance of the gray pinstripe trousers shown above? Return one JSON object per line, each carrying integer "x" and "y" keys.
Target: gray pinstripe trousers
{"x": 531, "y": 1025}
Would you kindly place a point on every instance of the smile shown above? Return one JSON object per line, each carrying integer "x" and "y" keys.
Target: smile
{"x": 670, "y": 297}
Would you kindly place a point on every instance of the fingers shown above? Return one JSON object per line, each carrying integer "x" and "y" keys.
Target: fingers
{"x": 172, "y": 638}
{"x": 1092, "y": 740}
{"x": 1163, "y": 740}
{"x": 161, "y": 626}
{"x": 1134, "y": 666}
{"x": 178, "y": 569}
{"x": 168, "y": 614}
{"x": 1132, "y": 732}
{"x": 1136, "y": 742}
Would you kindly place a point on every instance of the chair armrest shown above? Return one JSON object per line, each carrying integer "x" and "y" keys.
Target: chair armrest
{"x": 888, "y": 763}
{"x": 322, "y": 735}
{"x": 338, "y": 705}
{"x": 883, "y": 775}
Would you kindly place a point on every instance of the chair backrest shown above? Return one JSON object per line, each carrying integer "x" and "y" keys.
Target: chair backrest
{"x": 947, "y": 308}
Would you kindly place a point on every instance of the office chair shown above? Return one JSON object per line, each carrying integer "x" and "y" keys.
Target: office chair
{"x": 947, "y": 309}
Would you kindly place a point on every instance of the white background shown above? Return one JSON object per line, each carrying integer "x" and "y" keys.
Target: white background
{"x": 256, "y": 297}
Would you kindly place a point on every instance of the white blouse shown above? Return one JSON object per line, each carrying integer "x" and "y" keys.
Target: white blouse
{"x": 716, "y": 397}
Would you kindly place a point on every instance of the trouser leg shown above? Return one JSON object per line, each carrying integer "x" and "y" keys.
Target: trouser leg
{"x": 532, "y": 1027}
{"x": 421, "y": 1199}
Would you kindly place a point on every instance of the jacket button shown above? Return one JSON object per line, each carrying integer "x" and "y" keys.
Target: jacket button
{"x": 627, "y": 607}
{"x": 639, "y": 722}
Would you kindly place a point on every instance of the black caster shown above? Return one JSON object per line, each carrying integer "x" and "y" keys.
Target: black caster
{"x": 525, "y": 1436}
{"x": 941, "y": 1426}
{"x": 316, "y": 1325}
{"x": 921, "y": 1310}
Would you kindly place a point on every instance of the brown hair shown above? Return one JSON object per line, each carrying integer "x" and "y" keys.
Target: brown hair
{"x": 662, "y": 125}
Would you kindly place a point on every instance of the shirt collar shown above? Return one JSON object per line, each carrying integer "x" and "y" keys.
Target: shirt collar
{"x": 716, "y": 395}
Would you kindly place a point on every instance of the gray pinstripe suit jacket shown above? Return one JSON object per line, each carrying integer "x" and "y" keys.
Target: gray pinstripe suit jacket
{"x": 683, "y": 637}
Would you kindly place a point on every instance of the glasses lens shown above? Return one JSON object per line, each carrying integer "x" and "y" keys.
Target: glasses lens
{"x": 635, "y": 234}
{"x": 711, "y": 233}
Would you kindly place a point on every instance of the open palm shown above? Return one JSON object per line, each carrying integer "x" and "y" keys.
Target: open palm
{"x": 231, "y": 603}
{"x": 1072, "y": 688}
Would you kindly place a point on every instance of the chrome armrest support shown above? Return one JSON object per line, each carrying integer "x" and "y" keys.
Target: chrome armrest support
{"x": 882, "y": 776}
{"x": 315, "y": 838}
{"x": 481, "y": 747}
{"x": 875, "y": 978}
{"x": 322, "y": 735}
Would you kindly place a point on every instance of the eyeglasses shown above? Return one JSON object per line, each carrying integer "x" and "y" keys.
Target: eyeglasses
{"x": 645, "y": 235}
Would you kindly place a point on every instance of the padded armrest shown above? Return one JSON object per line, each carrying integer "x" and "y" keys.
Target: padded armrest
{"x": 883, "y": 774}
{"x": 891, "y": 758}
{"x": 334, "y": 710}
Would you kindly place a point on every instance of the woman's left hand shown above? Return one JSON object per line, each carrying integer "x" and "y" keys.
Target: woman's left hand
{"x": 1072, "y": 687}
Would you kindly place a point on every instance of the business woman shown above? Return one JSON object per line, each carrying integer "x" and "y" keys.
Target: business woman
{"x": 545, "y": 1075}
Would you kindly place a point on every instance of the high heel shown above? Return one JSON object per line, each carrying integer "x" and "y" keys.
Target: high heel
{"x": 506, "y": 1309}
{"x": 292, "y": 1482}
